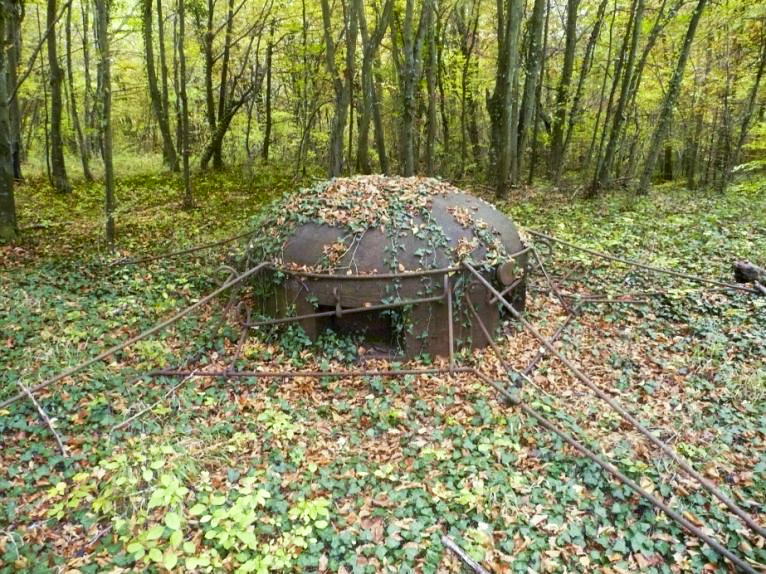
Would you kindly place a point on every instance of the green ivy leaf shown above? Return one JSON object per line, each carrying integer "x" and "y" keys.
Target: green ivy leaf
{"x": 170, "y": 559}
{"x": 155, "y": 532}
{"x": 173, "y": 521}
{"x": 155, "y": 555}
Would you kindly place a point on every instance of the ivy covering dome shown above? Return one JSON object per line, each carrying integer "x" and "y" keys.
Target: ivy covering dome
{"x": 404, "y": 236}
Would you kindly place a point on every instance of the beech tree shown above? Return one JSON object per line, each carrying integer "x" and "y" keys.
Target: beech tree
{"x": 8, "y": 227}
{"x": 502, "y": 145}
{"x": 59, "y": 177}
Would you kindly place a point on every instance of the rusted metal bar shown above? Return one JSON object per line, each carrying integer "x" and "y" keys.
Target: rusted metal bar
{"x": 614, "y": 471}
{"x": 377, "y": 276}
{"x": 644, "y": 266}
{"x": 507, "y": 290}
{"x": 508, "y": 369}
{"x": 148, "y": 333}
{"x": 583, "y": 378}
{"x": 463, "y": 555}
{"x": 541, "y": 353}
{"x": 310, "y": 374}
{"x": 333, "y": 313}
{"x": 182, "y": 251}
{"x": 550, "y": 281}
{"x": 450, "y": 333}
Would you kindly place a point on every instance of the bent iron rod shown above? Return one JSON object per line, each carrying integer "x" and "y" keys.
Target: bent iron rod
{"x": 309, "y": 374}
{"x": 319, "y": 314}
{"x": 644, "y": 265}
{"x": 614, "y": 471}
{"x": 158, "y": 327}
{"x": 709, "y": 486}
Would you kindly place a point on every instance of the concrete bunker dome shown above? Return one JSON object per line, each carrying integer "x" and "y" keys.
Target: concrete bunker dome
{"x": 352, "y": 244}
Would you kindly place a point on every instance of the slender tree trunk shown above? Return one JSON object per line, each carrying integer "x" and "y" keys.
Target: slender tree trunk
{"x": 370, "y": 44}
{"x": 341, "y": 83}
{"x": 605, "y": 165}
{"x": 377, "y": 120}
{"x": 539, "y": 98}
{"x": 267, "y": 127}
{"x": 188, "y": 200}
{"x": 102, "y": 25}
{"x": 596, "y": 122}
{"x": 13, "y": 41}
{"x": 562, "y": 91}
{"x": 58, "y": 167}
{"x": 746, "y": 118}
{"x": 207, "y": 49}
{"x": 86, "y": 97}
{"x": 499, "y": 104}
{"x": 412, "y": 47}
{"x": 469, "y": 129}
{"x": 223, "y": 85}
{"x": 440, "y": 72}
{"x": 164, "y": 82}
{"x": 671, "y": 95}
{"x": 160, "y": 113}
{"x": 73, "y": 99}
{"x": 586, "y": 65}
{"x": 532, "y": 76}
{"x": 177, "y": 89}
{"x": 8, "y": 226}
{"x": 44, "y": 83}
{"x": 431, "y": 89}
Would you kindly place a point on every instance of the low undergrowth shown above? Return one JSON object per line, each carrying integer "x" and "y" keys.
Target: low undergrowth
{"x": 365, "y": 475}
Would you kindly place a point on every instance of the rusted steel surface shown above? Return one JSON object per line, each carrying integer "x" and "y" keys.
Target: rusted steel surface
{"x": 327, "y": 276}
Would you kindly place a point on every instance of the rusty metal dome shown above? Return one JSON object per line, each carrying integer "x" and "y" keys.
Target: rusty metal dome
{"x": 374, "y": 241}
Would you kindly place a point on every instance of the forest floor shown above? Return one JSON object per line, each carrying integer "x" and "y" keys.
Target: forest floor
{"x": 365, "y": 475}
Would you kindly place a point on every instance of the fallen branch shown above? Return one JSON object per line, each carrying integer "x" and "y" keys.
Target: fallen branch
{"x": 44, "y": 416}
{"x": 143, "y": 411}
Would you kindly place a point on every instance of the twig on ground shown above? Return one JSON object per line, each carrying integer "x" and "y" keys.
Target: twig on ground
{"x": 143, "y": 411}
{"x": 44, "y": 416}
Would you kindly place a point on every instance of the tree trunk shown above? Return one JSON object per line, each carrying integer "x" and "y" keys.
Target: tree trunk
{"x": 73, "y": 99}
{"x": 499, "y": 104}
{"x": 267, "y": 127}
{"x": 164, "y": 82}
{"x": 60, "y": 180}
{"x": 469, "y": 130}
{"x": 223, "y": 85}
{"x": 188, "y": 200}
{"x": 431, "y": 89}
{"x": 341, "y": 83}
{"x": 605, "y": 164}
{"x": 160, "y": 113}
{"x": 412, "y": 48}
{"x": 207, "y": 49}
{"x": 371, "y": 44}
{"x": 597, "y": 121}
{"x": 746, "y": 118}
{"x": 539, "y": 98}
{"x": 8, "y": 227}
{"x": 13, "y": 41}
{"x": 102, "y": 25}
{"x": 377, "y": 119}
{"x": 671, "y": 95}
{"x": 586, "y": 64}
{"x": 562, "y": 92}
{"x": 86, "y": 97}
{"x": 532, "y": 76}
